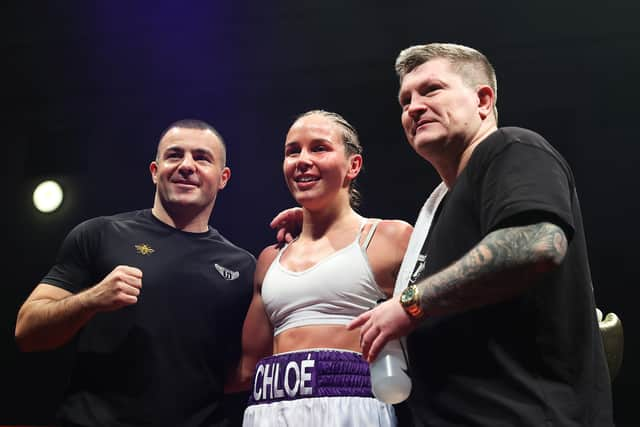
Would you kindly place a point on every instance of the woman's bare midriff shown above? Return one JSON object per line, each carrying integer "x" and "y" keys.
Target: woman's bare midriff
{"x": 317, "y": 336}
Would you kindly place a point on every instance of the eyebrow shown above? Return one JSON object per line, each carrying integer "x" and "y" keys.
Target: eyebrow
{"x": 196, "y": 150}
{"x": 427, "y": 82}
{"x": 316, "y": 140}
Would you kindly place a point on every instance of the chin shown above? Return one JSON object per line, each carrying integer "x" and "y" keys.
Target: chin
{"x": 183, "y": 201}
{"x": 426, "y": 142}
{"x": 314, "y": 204}
{"x": 303, "y": 199}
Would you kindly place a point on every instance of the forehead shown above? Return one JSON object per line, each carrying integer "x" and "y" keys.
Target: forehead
{"x": 313, "y": 127}
{"x": 438, "y": 69}
{"x": 201, "y": 139}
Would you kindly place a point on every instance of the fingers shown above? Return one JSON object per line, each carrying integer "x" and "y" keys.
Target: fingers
{"x": 284, "y": 236}
{"x": 131, "y": 276}
{"x": 365, "y": 325}
{"x": 377, "y": 326}
{"x": 372, "y": 340}
{"x": 281, "y": 218}
{"x": 370, "y": 336}
{"x": 366, "y": 339}
{"x": 135, "y": 282}
{"x": 376, "y": 346}
{"x": 133, "y": 271}
{"x": 130, "y": 289}
{"x": 278, "y": 221}
{"x": 121, "y": 287}
{"x": 288, "y": 223}
{"x": 367, "y": 331}
{"x": 358, "y": 321}
{"x": 127, "y": 300}
{"x": 287, "y": 216}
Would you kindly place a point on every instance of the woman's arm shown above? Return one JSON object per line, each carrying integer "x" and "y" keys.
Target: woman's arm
{"x": 386, "y": 252}
{"x": 257, "y": 331}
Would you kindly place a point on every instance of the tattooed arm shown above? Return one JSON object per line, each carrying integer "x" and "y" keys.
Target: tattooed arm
{"x": 506, "y": 262}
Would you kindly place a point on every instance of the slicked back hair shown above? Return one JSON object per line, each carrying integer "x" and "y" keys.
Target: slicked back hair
{"x": 351, "y": 143}
{"x": 470, "y": 64}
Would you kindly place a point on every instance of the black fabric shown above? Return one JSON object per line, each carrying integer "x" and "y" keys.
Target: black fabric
{"x": 162, "y": 361}
{"x": 537, "y": 359}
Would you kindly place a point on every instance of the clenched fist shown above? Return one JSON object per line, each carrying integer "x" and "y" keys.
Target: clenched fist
{"x": 119, "y": 288}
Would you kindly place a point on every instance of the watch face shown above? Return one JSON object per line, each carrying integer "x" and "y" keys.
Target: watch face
{"x": 408, "y": 295}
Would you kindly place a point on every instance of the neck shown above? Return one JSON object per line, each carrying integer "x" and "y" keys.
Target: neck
{"x": 450, "y": 166}
{"x": 316, "y": 224}
{"x": 183, "y": 218}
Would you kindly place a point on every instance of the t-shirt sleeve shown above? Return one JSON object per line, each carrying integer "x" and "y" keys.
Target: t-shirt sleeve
{"x": 73, "y": 266}
{"x": 236, "y": 315}
{"x": 526, "y": 181}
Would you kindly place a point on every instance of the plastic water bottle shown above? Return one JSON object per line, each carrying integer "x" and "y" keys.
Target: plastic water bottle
{"x": 389, "y": 380}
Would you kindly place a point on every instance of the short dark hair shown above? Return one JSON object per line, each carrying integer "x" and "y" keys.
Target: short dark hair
{"x": 196, "y": 124}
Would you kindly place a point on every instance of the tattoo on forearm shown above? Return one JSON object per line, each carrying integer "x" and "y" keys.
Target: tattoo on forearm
{"x": 504, "y": 263}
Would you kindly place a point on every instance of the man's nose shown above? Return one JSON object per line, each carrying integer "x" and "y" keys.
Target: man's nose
{"x": 416, "y": 108}
{"x": 188, "y": 164}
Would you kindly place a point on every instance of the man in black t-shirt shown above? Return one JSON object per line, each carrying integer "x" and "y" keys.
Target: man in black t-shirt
{"x": 499, "y": 313}
{"x": 153, "y": 300}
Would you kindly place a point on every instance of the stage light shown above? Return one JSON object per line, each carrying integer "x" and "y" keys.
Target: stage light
{"x": 47, "y": 196}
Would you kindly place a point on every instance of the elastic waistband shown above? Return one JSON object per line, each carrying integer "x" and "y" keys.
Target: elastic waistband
{"x": 310, "y": 373}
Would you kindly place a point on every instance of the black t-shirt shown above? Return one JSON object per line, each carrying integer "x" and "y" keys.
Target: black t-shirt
{"x": 162, "y": 361}
{"x": 533, "y": 360}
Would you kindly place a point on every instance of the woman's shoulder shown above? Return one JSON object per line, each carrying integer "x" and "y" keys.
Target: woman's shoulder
{"x": 269, "y": 253}
{"x": 393, "y": 231}
{"x": 393, "y": 227}
{"x": 266, "y": 258}
{"x": 387, "y": 250}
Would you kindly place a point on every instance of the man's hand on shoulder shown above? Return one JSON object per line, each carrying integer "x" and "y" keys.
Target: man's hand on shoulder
{"x": 288, "y": 224}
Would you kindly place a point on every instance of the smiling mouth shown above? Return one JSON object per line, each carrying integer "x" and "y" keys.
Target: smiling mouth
{"x": 304, "y": 183}
{"x": 304, "y": 179}
{"x": 422, "y": 124}
{"x": 185, "y": 184}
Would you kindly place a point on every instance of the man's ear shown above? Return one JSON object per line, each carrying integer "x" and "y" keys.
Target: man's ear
{"x": 486, "y": 100}
{"x": 225, "y": 176}
{"x": 153, "y": 168}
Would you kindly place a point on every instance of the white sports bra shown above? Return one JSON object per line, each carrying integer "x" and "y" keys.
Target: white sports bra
{"x": 334, "y": 291}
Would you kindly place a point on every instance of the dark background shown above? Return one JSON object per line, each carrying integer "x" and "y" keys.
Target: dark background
{"x": 87, "y": 88}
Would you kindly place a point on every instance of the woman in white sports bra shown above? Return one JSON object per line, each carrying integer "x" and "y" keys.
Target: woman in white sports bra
{"x": 310, "y": 371}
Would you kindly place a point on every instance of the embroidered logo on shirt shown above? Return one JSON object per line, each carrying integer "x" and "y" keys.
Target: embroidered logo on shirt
{"x": 144, "y": 249}
{"x": 226, "y": 273}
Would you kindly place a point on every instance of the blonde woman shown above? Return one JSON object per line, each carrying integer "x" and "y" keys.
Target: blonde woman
{"x": 309, "y": 370}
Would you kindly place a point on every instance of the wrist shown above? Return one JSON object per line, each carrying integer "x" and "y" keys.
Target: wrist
{"x": 87, "y": 301}
{"x": 410, "y": 302}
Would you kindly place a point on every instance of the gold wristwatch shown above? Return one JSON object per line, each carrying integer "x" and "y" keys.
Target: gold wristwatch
{"x": 410, "y": 302}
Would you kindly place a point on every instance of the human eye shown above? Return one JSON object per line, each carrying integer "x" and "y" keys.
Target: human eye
{"x": 291, "y": 150}
{"x": 431, "y": 88}
{"x": 404, "y": 100}
{"x": 173, "y": 154}
{"x": 203, "y": 158}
